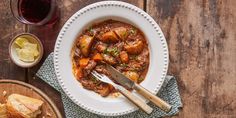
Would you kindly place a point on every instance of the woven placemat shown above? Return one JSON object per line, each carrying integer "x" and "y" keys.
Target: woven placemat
{"x": 169, "y": 92}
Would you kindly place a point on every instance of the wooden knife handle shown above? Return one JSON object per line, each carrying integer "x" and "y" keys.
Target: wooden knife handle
{"x": 134, "y": 99}
{"x": 153, "y": 98}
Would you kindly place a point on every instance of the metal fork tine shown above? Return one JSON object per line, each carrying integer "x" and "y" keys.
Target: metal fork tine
{"x": 102, "y": 77}
{"x": 96, "y": 74}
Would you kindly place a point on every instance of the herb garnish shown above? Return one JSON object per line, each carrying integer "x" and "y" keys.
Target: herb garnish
{"x": 105, "y": 51}
{"x": 82, "y": 46}
{"x": 124, "y": 65}
{"x": 140, "y": 79}
{"x": 90, "y": 29}
{"x": 114, "y": 51}
{"x": 134, "y": 57}
{"x": 94, "y": 80}
{"x": 133, "y": 30}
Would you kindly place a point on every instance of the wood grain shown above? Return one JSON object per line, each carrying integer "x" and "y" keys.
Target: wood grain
{"x": 202, "y": 45}
{"x": 16, "y": 87}
{"x": 48, "y": 35}
{"x": 9, "y": 28}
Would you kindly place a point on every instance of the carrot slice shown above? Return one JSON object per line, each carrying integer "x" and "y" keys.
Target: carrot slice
{"x": 79, "y": 73}
{"x": 97, "y": 57}
{"x": 83, "y": 62}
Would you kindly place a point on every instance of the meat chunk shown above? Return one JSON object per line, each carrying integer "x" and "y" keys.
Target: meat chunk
{"x": 101, "y": 47}
{"x": 103, "y": 89}
{"x": 87, "y": 69}
{"x": 134, "y": 65}
{"x": 109, "y": 59}
{"x": 143, "y": 57}
{"x": 88, "y": 84}
{"x": 77, "y": 52}
{"x": 77, "y": 55}
{"x": 90, "y": 65}
{"x": 102, "y": 69}
{"x": 120, "y": 68}
{"x": 119, "y": 46}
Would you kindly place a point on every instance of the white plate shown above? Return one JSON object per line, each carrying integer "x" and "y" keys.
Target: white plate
{"x": 97, "y": 12}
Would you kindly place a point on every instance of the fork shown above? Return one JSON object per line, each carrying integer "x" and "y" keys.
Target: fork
{"x": 134, "y": 99}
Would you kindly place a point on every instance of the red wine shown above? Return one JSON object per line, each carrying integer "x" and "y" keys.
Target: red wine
{"x": 34, "y": 11}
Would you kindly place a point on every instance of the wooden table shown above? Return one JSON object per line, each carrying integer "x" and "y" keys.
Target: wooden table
{"x": 201, "y": 35}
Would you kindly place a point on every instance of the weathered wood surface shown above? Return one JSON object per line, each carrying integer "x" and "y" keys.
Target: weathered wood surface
{"x": 202, "y": 45}
{"x": 9, "y": 27}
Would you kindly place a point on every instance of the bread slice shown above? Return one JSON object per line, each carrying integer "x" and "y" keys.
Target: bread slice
{"x": 3, "y": 111}
{"x": 19, "y": 106}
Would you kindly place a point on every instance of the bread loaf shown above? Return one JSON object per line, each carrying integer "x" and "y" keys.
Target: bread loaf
{"x": 19, "y": 106}
{"x": 3, "y": 111}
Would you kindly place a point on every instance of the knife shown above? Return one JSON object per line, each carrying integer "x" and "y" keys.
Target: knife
{"x": 126, "y": 82}
{"x": 134, "y": 99}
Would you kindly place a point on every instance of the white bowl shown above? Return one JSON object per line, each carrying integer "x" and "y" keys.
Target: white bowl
{"x": 13, "y": 55}
{"x": 84, "y": 18}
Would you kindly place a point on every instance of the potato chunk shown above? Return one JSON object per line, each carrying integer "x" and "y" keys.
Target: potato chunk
{"x": 132, "y": 75}
{"x": 134, "y": 47}
{"x": 109, "y": 37}
{"x": 121, "y": 32}
{"x": 85, "y": 43}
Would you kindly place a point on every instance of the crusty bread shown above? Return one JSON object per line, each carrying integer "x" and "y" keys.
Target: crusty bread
{"x": 19, "y": 106}
{"x": 3, "y": 111}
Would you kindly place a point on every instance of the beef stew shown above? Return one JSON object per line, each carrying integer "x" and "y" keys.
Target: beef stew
{"x": 119, "y": 44}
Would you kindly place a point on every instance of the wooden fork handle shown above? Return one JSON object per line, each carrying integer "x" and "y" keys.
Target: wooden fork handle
{"x": 153, "y": 98}
{"x": 134, "y": 99}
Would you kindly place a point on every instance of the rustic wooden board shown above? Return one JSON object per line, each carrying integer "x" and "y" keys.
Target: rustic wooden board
{"x": 11, "y": 86}
{"x": 201, "y": 39}
{"x": 9, "y": 28}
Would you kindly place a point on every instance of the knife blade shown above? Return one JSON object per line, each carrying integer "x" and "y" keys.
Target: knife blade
{"x": 119, "y": 77}
{"x": 126, "y": 82}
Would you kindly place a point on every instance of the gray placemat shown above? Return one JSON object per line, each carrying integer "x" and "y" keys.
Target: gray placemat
{"x": 169, "y": 92}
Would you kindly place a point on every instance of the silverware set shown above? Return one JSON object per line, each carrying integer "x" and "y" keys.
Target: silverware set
{"x": 127, "y": 83}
